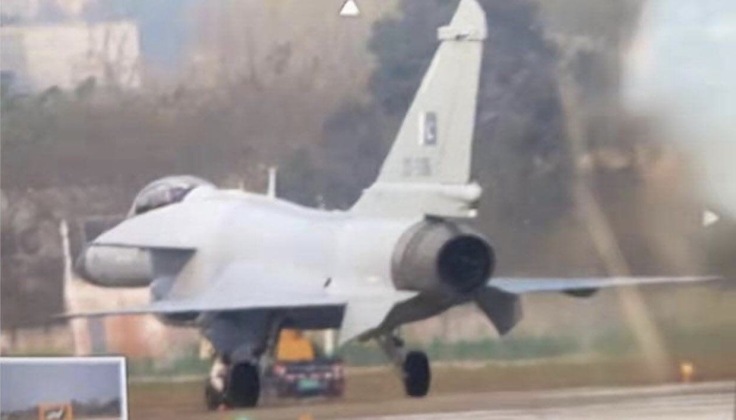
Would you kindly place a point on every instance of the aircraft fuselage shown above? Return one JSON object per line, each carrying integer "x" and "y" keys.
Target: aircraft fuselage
{"x": 339, "y": 252}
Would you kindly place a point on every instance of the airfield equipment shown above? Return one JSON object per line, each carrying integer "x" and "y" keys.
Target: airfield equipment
{"x": 298, "y": 370}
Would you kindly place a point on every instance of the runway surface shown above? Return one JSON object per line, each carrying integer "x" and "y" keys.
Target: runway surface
{"x": 701, "y": 401}
{"x": 691, "y": 401}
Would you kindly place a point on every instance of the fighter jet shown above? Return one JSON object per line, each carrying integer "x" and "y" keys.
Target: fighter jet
{"x": 241, "y": 266}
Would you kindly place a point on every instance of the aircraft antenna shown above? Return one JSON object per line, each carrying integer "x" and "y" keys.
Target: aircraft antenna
{"x": 271, "y": 190}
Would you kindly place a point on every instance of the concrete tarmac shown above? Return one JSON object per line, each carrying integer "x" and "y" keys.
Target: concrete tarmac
{"x": 714, "y": 400}
{"x": 698, "y": 401}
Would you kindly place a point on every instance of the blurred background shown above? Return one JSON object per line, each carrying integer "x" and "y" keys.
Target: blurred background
{"x": 603, "y": 143}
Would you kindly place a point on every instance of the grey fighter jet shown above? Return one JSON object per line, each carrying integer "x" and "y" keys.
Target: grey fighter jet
{"x": 241, "y": 266}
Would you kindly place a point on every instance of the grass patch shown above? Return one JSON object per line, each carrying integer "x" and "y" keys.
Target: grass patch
{"x": 614, "y": 343}
{"x": 523, "y": 348}
{"x": 701, "y": 345}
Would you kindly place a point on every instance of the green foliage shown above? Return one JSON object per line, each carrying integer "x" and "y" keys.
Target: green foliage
{"x": 510, "y": 348}
{"x": 504, "y": 349}
{"x": 350, "y": 166}
{"x": 614, "y": 343}
{"x": 710, "y": 340}
{"x": 183, "y": 366}
{"x": 403, "y": 48}
{"x": 59, "y": 138}
{"x": 187, "y": 364}
{"x": 93, "y": 136}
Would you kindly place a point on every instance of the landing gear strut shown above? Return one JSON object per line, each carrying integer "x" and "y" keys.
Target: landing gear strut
{"x": 213, "y": 398}
{"x": 215, "y": 387}
{"x": 413, "y": 366}
{"x": 238, "y": 383}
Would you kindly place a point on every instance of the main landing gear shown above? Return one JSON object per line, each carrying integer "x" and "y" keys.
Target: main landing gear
{"x": 413, "y": 366}
{"x": 238, "y": 385}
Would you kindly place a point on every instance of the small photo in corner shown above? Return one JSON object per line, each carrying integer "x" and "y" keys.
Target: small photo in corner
{"x": 63, "y": 388}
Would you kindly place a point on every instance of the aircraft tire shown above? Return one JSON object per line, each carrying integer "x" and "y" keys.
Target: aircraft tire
{"x": 417, "y": 374}
{"x": 244, "y": 386}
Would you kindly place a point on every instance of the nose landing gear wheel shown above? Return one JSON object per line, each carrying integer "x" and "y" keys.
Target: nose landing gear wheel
{"x": 244, "y": 385}
{"x": 417, "y": 374}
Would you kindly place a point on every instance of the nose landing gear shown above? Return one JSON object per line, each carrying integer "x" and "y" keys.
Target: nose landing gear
{"x": 236, "y": 386}
{"x": 244, "y": 385}
{"x": 237, "y": 383}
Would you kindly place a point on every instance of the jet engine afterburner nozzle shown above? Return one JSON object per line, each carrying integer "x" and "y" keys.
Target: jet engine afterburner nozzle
{"x": 439, "y": 255}
{"x": 465, "y": 262}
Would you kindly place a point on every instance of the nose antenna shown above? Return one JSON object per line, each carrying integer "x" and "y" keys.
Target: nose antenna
{"x": 271, "y": 190}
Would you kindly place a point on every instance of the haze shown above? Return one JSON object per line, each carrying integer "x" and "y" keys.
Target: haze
{"x": 680, "y": 71}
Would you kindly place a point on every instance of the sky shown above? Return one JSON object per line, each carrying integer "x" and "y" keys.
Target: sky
{"x": 25, "y": 384}
{"x": 681, "y": 69}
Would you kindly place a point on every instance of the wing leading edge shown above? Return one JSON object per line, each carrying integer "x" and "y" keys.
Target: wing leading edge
{"x": 247, "y": 286}
{"x": 500, "y": 300}
{"x": 241, "y": 286}
{"x": 520, "y": 285}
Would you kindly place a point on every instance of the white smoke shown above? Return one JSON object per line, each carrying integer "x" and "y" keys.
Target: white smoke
{"x": 681, "y": 69}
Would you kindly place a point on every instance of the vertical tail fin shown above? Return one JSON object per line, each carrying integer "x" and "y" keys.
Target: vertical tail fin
{"x": 430, "y": 158}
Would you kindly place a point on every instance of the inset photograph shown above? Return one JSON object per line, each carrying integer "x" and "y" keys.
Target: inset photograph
{"x": 63, "y": 388}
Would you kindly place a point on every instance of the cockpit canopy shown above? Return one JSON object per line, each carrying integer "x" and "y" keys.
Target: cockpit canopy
{"x": 165, "y": 191}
